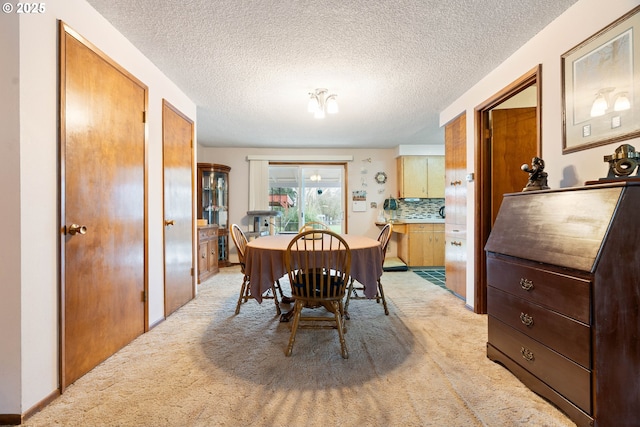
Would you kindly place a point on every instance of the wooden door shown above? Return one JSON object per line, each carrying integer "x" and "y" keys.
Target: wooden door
{"x": 177, "y": 137}
{"x": 513, "y": 143}
{"x": 456, "y": 205}
{"x": 103, "y": 193}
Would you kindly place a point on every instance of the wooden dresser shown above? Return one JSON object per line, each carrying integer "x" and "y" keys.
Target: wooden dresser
{"x": 563, "y": 298}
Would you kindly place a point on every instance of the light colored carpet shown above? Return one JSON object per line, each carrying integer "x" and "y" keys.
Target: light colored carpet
{"x": 423, "y": 365}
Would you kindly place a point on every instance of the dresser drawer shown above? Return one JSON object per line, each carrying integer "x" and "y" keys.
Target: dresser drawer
{"x": 207, "y": 232}
{"x": 561, "y": 333}
{"x": 566, "y": 377}
{"x": 565, "y": 294}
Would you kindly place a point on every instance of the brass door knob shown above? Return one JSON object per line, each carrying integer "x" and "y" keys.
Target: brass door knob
{"x": 76, "y": 229}
{"x": 169, "y": 222}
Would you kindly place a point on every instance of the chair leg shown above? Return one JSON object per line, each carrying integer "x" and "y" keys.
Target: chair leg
{"x": 279, "y": 288}
{"x": 339, "y": 326}
{"x": 294, "y": 327}
{"x": 384, "y": 301}
{"x": 275, "y": 298}
{"x": 244, "y": 289}
{"x": 346, "y": 304}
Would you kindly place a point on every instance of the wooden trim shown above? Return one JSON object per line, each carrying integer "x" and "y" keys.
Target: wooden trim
{"x": 17, "y": 419}
{"x": 482, "y": 206}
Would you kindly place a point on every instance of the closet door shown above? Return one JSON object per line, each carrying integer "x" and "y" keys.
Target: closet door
{"x": 102, "y": 193}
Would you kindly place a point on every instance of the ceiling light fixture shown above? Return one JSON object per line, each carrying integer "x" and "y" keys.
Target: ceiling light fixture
{"x": 320, "y": 103}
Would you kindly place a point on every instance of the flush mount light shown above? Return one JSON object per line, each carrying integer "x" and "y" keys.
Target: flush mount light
{"x": 321, "y": 104}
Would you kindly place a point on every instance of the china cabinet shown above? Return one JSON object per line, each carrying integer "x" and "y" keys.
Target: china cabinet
{"x": 207, "y": 252}
{"x": 213, "y": 204}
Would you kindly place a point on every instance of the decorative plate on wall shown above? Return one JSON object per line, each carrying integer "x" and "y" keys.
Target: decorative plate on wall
{"x": 380, "y": 177}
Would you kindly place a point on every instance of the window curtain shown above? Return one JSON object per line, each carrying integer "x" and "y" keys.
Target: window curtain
{"x": 258, "y": 185}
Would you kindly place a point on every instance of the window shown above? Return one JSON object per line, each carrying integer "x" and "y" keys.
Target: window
{"x": 305, "y": 193}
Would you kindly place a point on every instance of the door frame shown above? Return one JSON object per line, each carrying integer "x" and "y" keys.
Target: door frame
{"x": 482, "y": 208}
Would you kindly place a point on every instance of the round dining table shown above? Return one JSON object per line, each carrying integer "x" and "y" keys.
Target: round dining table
{"x": 264, "y": 262}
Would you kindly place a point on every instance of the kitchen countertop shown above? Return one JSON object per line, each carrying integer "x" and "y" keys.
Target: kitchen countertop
{"x": 414, "y": 221}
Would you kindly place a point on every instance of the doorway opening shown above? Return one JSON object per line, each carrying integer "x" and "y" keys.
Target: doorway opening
{"x": 509, "y": 134}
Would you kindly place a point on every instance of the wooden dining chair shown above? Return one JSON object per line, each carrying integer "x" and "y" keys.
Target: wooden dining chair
{"x": 318, "y": 271}
{"x": 313, "y": 225}
{"x": 240, "y": 240}
{"x": 383, "y": 237}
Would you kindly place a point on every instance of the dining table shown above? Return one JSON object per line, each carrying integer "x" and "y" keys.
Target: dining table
{"x": 264, "y": 262}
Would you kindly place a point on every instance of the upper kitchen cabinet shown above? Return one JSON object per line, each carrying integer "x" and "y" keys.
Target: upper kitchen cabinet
{"x": 421, "y": 177}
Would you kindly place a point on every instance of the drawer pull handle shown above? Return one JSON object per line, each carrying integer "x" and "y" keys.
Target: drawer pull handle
{"x": 526, "y": 319}
{"x": 526, "y": 284}
{"x": 527, "y": 354}
{"x": 454, "y": 243}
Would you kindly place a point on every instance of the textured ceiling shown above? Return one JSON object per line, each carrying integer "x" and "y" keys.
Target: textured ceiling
{"x": 249, "y": 65}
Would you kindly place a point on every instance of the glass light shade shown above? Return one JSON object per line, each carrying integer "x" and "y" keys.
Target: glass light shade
{"x": 622, "y": 102}
{"x": 599, "y": 106}
{"x": 313, "y": 106}
{"x": 319, "y": 113}
{"x": 332, "y": 105}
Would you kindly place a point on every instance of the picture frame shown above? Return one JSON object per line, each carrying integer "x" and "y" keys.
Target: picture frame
{"x": 601, "y": 86}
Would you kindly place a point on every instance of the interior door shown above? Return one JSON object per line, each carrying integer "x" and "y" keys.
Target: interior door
{"x": 514, "y": 142}
{"x": 103, "y": 206}
{"x": 177, "y": 137}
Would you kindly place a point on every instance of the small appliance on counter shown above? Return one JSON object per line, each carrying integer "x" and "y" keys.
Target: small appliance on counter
{"x": 390, "y": 205}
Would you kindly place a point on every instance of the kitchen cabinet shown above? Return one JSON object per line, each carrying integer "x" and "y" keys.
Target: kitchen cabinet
{"x": 456, "y": 206}
{"x": 213, "y": 199}
{"x": 562, "y": 298}
{"x": 421, "y": 245}
{"x": 420, "y": 176}
{"x": 207, "y": 252}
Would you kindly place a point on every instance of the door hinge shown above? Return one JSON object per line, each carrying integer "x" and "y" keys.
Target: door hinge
{"x": 191, "y": 271}
{"x": 144, "y": 117}
{"x": 144, "y": 296}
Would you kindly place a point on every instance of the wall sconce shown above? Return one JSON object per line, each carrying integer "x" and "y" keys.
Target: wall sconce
{"x": 320, "y": 103}
{"x": 601, "y": 103}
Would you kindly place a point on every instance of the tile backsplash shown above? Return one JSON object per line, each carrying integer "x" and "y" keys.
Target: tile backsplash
{"x": 419, "y": 209}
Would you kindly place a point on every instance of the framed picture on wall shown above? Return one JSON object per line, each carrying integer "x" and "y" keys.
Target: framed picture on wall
{"x": 601, "y": 86}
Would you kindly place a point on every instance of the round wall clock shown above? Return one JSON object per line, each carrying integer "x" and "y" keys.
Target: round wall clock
{"x": 380, "y": 177}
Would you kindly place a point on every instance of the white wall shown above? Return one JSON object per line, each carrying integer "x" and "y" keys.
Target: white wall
{"x": 30, "y": 272}
{"x": 10, "y": 248}
{"x": 579, "y": 22}
{"x": 382, "y": 160}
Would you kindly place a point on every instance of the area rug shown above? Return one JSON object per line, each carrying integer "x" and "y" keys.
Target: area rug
{"x": 424, "y": 364}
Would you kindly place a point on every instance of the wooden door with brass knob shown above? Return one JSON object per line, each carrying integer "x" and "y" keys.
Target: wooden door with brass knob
{"x": 177, "y": 137}
{"x": 102, "y": 167}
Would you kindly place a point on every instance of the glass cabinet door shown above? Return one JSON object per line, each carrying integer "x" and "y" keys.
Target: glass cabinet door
{"x": 213, "y": 195}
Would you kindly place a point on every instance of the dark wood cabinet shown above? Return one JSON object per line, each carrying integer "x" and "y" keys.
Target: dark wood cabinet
{"x": 563, "y": 298}
{"x": 213, "y": 199}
